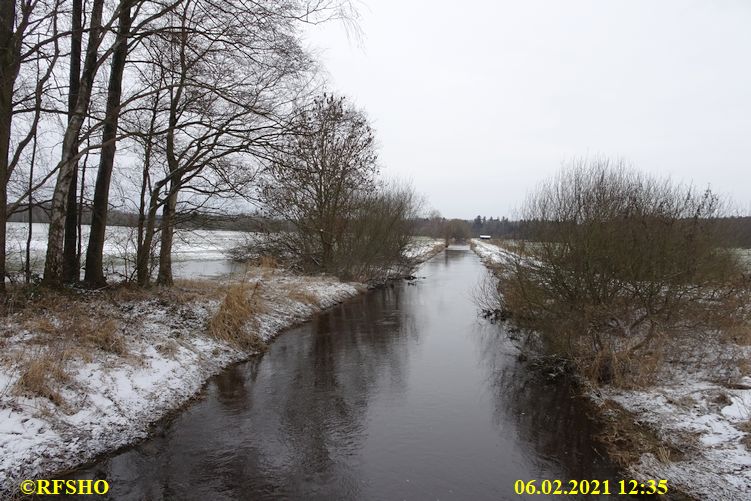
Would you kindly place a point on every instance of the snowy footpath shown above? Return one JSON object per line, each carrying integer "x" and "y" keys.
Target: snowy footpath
{"x": 699, "y": 409}
{"x": 156, "y": 356}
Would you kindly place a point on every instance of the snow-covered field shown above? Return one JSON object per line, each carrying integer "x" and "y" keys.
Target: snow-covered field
{"x": 107, "y": 400}
{"x": 190, "y": 246}
{"x": 694, "y": 408}
{"x": 120, "y": 242}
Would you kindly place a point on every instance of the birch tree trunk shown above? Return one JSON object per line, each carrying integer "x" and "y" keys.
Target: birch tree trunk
{"x": 53, "y": 264}
{"x": 71, "y": 263}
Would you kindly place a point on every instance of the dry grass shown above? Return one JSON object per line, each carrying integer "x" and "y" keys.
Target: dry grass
{"x": 240, "y": 306}
{"x": 745, "y": 427}
{"x": 268, "y": 262}
{"x": 738, "y": 334}
{"x": 663, "y": 454}
{"x": 303, "y": 296}
{"x": 127, "y": 293}
{"x": 102, "y": 334}
{"x": 626, "y": 440}
{"x": 64, "y": 326}
{"x": 43, "y": 374}
{"x": 744, "y": 366}
{"x": 72, "y": 335}
{"x": 40, "y": 325}
{"x": 187, "y": 291}
{"x": 79, "y": 327}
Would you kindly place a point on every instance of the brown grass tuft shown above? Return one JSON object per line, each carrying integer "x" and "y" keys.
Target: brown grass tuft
{"x": 268, "y": 262}
{"x": 745, "y": 427}
{"x": 662, "y": 454}
{"x": 40, "y": 325}
{"x": 102, "y": 334}
{"x": 303, "y": 296}
{"x": 621, "y": 369}
{"x": 42, "y": 375}
{"x": 240, "y": 306}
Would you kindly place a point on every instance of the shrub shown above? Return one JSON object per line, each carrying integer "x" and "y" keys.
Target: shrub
{"x": 615, "y": 260}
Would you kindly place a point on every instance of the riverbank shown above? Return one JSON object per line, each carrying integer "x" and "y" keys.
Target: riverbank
{"x": 692, "y": 425}
{"x": 84, "y": 373}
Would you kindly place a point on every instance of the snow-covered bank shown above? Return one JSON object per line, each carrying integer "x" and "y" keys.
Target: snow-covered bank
{"x": 491, "y": 254}
{"x": 108, "y": 400}
{"x": 423, "y": 248}
{"x": 110, "y": 364}
{"x": 694, "y": 417}
{"x": 707, "y": 425}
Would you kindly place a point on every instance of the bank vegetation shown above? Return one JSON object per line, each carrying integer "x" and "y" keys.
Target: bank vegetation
{"x": 618, "y": 267}
{"x": 631, "y": 285}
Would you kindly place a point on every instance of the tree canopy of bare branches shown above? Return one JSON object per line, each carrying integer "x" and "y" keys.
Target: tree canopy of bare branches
{"x": 616, "y": 260}
{"x": 323, "y": 181}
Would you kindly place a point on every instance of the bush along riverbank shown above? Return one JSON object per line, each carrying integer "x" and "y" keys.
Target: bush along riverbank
{"x": 83, "y": 373}
{"x": 683, "y": 415}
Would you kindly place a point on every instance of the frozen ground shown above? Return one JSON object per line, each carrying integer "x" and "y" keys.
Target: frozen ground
{"x": 109, "y": 400}
{"x": 700, "y": 407}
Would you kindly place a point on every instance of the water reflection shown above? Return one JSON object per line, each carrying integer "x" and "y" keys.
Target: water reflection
{"x": 546, "y": 414}
{"x": 399, "y": 394}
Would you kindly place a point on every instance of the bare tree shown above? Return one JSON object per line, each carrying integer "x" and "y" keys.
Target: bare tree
{"x": 219, "y": 94}
{"x": 71, "y": 263}
{"x": 94, "y": 254}
{"x": 53, "y": 265}
{"x": 242, "y": 63}
{"x": 100, "y": 25}
{"x": 28, "y": 34}
{"x": 321, "y": 173}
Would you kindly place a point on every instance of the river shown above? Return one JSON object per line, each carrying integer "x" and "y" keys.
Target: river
{"x": 402, "y": 393}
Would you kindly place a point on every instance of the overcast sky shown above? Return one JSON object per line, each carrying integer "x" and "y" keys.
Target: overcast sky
{"x": 476, "y": 101}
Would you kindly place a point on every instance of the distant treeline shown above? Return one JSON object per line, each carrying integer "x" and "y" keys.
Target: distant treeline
{"x": 738, "y": 229}
{"x": 193, "y": 220}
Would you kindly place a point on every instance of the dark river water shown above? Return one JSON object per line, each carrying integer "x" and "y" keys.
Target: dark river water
{"x": 401, "y": 393}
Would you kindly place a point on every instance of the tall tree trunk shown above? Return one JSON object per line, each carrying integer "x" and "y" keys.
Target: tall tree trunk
{"x": 9, "y": 66}
{"x": 31, "y": 209}
{"x": 94, "y": 271}
{"x": 146, "y": 228}
{"x": 144, "y": 251}
{"x": 53, "y": 264}
{"x": 71, "y": 263}
{"x": 164, "y": 276}
{"x": 140, "y": 239}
